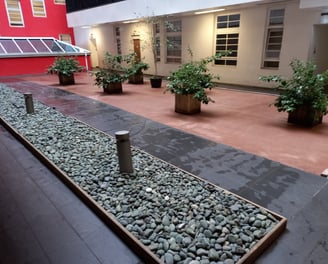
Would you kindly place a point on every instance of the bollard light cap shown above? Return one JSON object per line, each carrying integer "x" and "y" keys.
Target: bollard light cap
{"x": 122, "y": 135}
{"x": 122, "y": 132}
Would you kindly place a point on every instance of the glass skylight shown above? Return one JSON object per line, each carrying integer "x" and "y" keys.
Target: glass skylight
{"x": 42, "y": 46}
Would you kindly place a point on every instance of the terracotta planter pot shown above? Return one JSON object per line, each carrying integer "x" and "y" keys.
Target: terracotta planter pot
{"x": 186, "y": 104}
{"x": 156, "y": 82}
{"x": 305, "y": 115}
{"x": 113, "y": 88}
{"x": 136, "y": 78}
{"x": 66, "y": 79}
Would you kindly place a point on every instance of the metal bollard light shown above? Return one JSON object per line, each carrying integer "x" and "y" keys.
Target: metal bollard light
{"x": 124, "y": 151}
{"x": 29, "y": 103}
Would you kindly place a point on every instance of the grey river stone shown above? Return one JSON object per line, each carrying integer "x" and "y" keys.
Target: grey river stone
{"x": 179, "y": 217}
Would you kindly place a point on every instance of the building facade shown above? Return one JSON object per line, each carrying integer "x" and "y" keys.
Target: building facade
{"x": 29, "y": 31}
{"x": 35, "y": 18}
{"x": 263, "y": 36}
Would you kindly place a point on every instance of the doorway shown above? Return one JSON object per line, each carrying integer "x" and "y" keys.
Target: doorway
{"x": 320, "y": 44}
{"x": 94, "y": 51}
{"x": 137, "y": 49}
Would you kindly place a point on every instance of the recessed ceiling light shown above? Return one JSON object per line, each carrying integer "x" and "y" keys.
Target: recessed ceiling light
{"x": 130, "y": 21}
{"x": 209, "y": 11}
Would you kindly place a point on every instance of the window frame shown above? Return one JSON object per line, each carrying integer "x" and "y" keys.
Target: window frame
{"x": 60, "y": 2}
{"x": 17, "y": 9}
{"x": 37, "y": 14}
{"x": 227, "y": 38}
{"x": 157, "y": 40}
{"x": 117, "y": 36}
{"x": 273, "y": 42}
{"x": 172, "y": 32}
{"x": 65, "y": 38}
{"x": 12, "y": 47}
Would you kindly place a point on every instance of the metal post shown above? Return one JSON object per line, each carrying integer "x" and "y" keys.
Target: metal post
{"x": 29, "y": 103}
{"x": 124, "y": 151}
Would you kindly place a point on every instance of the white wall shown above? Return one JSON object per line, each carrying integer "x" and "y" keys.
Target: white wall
{"x": 199, "y": 34}
{"x": 313, "y": 3}
{"x": 131, "y": 9}
{"x": 251, "y": 41}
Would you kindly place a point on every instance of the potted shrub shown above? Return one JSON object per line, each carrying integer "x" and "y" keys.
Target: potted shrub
{"x": 302, "y": 96}
{"x": 65, "y": 67}
{"x": 113, "y": 74}
{"x": 135, "y": 70}
{"x": 189, "y": 83}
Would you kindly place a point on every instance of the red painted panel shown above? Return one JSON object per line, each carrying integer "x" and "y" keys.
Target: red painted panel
{"x": 54, "y": 24}
{"x": 33, "y": 65}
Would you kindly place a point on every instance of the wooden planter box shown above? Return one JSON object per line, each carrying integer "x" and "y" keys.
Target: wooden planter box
{"x": 136, "y": 78}
{"x": 113, "y": 88}
{"x": 66, "y": 79}
{"x": 305, "y": 115}
{"x": 186, "y": 104}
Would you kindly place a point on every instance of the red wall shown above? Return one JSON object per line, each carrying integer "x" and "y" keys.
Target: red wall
{"x": 52, "y": 25}
{"x": 33, "y": 65}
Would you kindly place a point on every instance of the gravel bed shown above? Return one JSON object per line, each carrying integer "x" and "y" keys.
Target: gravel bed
{"x": 179, "y": 217}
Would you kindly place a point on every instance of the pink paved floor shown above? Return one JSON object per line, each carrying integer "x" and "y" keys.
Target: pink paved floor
{"x": 243, "y": 120}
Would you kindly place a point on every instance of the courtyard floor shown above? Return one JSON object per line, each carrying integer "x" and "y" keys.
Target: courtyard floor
{"x": 238, "y": 143}
{"x": 240, "y": 119}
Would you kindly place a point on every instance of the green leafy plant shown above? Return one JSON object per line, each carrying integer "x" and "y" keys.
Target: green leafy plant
{"x": 136, "y": 66}
{"x": 193, "y": 78}
{"x": 305, "y": 87}
{"x": 65, "y": 65}
{"x": 115, "y": 70}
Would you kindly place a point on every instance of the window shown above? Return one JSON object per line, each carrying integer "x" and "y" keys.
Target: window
{"x": 10, "y": 46}
{"x": 39, "y": 45}
{"x": 30, "y": 46}
{"x": 173, "y": 41}
{"x": 38, "y": 8}
{"x": 118, "y": 40}
{"x": 224, "y": 43}
{"x": 60, "y": 1}
{"x": 227, "y": 39}
{"x": 230, "y": 21}
{"x": 274, "y": 36}
{"x": 25, "y": 46}
{"x": 157, "y": 39}
{"x": 65, "y": 38}
{"x": 14, "y": 12}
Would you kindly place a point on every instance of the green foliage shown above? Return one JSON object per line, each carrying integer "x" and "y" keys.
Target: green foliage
{"x": 305, "y": 87}
{"x": 115, "y": 69}
{"x": 193, "y": 78}
{"x": 65, "y": 65}
{"x": 136, "y": 66}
